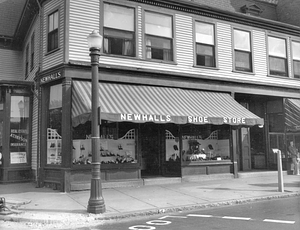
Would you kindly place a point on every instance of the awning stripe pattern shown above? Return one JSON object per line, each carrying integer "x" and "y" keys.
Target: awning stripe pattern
{"x": 292, "y": 114}
{"x": 137, "y": 103}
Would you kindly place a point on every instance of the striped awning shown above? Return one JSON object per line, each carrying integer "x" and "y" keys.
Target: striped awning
{"x": 292, "y": 114}
{"x": 136, "y": 103}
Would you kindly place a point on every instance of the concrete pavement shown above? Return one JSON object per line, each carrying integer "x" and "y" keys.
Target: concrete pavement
{"x": 44, "y": 205}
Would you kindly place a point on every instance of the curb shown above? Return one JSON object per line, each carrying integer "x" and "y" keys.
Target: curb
{"x": 150, "y": 212}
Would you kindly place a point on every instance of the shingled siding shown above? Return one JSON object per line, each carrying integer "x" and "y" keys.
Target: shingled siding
{"x": 11, "y": 67}
{"x": 57, "y": 57}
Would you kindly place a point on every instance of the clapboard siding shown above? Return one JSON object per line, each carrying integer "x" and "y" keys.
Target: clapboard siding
{"x": 81, "y": 24}
{"x": 53, "y": 58}
{"x": 9, "y": 70}
{"x": 184, "y": 40}
{"x": 35, "y": 136}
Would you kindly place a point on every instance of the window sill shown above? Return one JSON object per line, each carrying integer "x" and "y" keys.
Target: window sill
{"x": 282, "y": 77}
{"x": 243, "y": 72}
{"x": 160, "y": 61}
{"x": 205, "y": 67}
{"x": 52, "y": 51}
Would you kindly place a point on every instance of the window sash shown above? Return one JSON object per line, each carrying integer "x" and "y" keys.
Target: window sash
{"x": 159, "y": 48}
{"x": 118, "y": 42}
{"x": 296, "y": 67}
{"x": 205, "y": 33}
{"x": 32, "y": 52}
{"x": 243, "y": 61}
{"x": 53, "y": 21}
{"x": 242, "y": 40}
{"x": 158, "y": 25}
{"x": 53, "y": 40}
{"x": 296, "y": 50}
{"x": 205, "y": 55}
{"x": 278, "y": 66}
{"x": 118, "y": 17}
{"x": 277, "y": 47}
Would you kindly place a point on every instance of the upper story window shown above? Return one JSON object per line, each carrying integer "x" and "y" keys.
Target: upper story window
{"x": 27, "y": 60}
{"x": 119, "y": 30}
{"x": 242, "y": 51}
{"x": 32, "y": 52}
{"x": 52, "y": 31}
{"x": 159, "y": 36}
{"x": 296, "y": 58}
{"x": 205, "y": 44}
{"x": 277, "y": 56}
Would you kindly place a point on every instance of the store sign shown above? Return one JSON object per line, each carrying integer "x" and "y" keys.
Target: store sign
{"x": 212, "y": 120}
{"x": 18, "y": 157}
{"x": 51, "y": 77}
{"x": 145, "y": 118}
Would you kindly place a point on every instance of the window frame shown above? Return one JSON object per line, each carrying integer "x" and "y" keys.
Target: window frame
{"x": 292, "y": 58}
{"x": 32, "y": 51}
{"x": 55, "y": 31}
{"x": 278, "y": 57}
{"x": 172, "y": 39}
{"x": 135, "y": 32}
{"x": 27, "y": 60}
{"x": 235, "y": 50}
{"x": 215, "y": 45}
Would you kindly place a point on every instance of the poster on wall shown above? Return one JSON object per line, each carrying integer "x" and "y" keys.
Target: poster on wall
{"x": 18, "y": 157}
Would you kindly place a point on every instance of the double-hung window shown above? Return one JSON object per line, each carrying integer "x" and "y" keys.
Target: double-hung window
{"x": 52, "y": 31}
{"x": 159, "y": 36}
{"x": 277, "y": 56}
{"x": 242, "y": 51}
{"x": 296, "y": 58}
{"x": 205, "y": 44}
{"x": 119, "y": 30}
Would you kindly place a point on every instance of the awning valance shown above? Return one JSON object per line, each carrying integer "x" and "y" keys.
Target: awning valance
{"x": 292, "y": 114}
{"x": 137, "y": 103}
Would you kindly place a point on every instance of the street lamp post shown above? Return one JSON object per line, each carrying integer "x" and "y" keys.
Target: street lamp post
{"x": 96, "y": 202}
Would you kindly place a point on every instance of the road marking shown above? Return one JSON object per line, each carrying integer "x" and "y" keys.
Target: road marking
{"x": 236, "y": 218}
{"x": 164, "y": 217}
{"x": 195, "y": 215}
{"x": 279, "y": 221}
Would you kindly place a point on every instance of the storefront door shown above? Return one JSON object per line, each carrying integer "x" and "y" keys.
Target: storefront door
{"x": 151, "y": 148}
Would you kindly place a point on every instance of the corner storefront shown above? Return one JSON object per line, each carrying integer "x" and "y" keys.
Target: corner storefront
{"x": 15, "y": 131}
{"x": 146, "y": 131}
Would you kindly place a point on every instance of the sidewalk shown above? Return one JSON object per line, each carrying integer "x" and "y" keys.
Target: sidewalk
{"x": 44, "y": 205}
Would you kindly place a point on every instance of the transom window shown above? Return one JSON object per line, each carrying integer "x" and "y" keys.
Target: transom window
{"x": 158, "y": 36}
{"x": 242, "y": 51}
{"x": 53, "y": 31}
{"x": 277, "y": 56}
{"x": 205, "y": 44}
{"x": 119, "y": 30}
{"x": 296, "y": 58}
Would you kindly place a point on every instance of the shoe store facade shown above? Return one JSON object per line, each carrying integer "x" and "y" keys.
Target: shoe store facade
{"x": 146, "y": 130}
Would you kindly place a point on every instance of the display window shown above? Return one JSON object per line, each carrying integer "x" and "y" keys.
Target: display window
{"x": 117, "y": 143}
{"x": 19, "y": 129}
{"x": 205, "y": 143}
{"x": 54, "y": 129}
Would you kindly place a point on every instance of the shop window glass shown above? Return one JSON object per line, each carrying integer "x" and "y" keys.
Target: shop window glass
{"x": 296, "y": 58}
{"x": 19, "y": 129}
{"x": 205, "y": 44}
{"x": 119, "y": 30}
{"x": 54, "y": 125}
{"x": 52, "y": 31}
{"x": 277, "y": 56}
{"x": 117, "y": 143}
{"x": 158, "y": 36}
{"x": 205, "y": 143}
{"x": 242, "y": 51}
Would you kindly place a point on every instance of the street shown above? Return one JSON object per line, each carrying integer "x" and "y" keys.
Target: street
{"x": 273, "y": 214}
